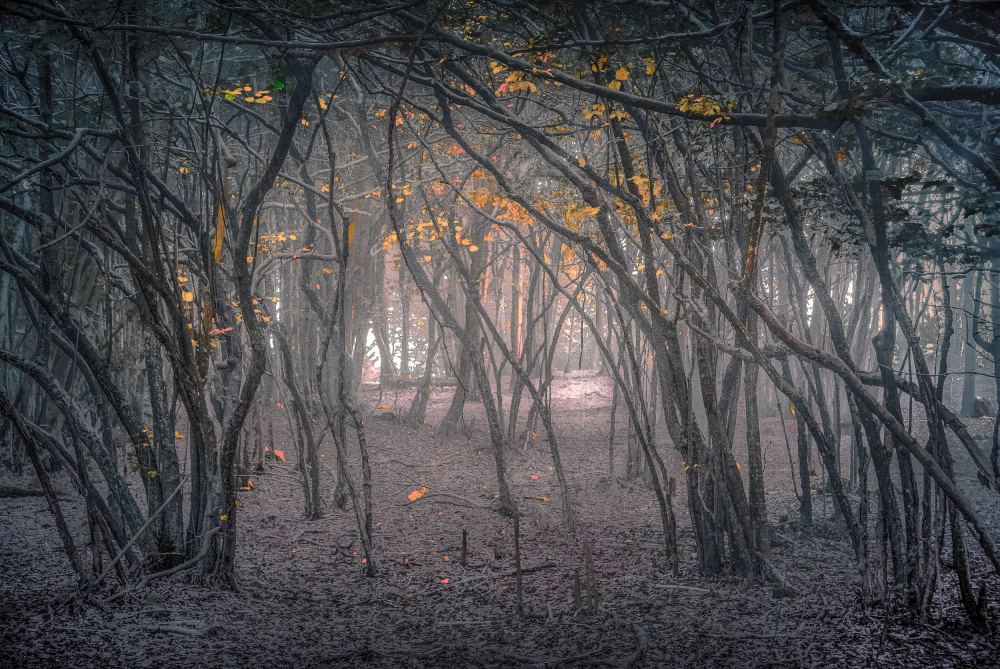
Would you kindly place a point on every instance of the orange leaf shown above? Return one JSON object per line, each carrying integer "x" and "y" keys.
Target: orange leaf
{"x": 417, "y": 494}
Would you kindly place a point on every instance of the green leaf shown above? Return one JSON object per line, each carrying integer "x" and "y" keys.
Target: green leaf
{"x": 277, "y": 84}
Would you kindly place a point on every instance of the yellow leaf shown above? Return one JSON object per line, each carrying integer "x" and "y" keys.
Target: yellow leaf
{"x": 223, "y": 516}
{"x": 615, "y": 85}
{"x": 473, "y": 248}
{"x": 187, "y": 296}
{"x": 178, "y": 435}
{"x": 650, "y": 68}
{"x": 427, "y": 258}
{"x": 581, "y": 162}
{"x": 621, "y": 74}
{"x": 152, "y": 473}
{"x": 351, "y": 229}
{"x": 220, "y": 228}
{"x": 322, "y": 103}
{"x": 239, "y": 502}
{"x": 249, "y": 258}
{"x": 266, "y": 319}
{"x": 292, "y": 237}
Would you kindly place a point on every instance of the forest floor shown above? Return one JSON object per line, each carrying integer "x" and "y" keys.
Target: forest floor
{"x": 305, "y": 602}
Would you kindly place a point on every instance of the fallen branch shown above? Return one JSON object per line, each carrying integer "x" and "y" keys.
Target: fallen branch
{"x": 689, "y": 588}
{"x": 461, "y": 500}
{"x": 513, "y": 572}
{"x": 12, "y": 492}
{"x": 180, "y": 627}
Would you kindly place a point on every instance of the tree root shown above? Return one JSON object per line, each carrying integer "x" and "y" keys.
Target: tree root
{"x": 641, "y": 645}
{"x": 173, "y": 570}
